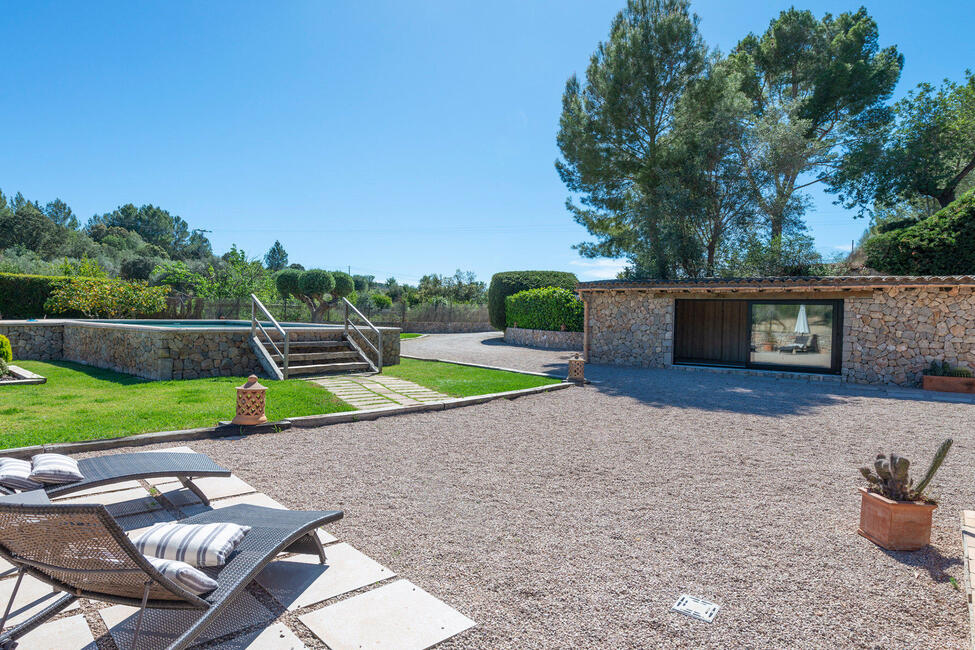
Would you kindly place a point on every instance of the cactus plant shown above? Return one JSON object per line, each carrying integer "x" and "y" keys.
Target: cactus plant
{"x": 944, "y": 369}
{"x": 890, "y": 477}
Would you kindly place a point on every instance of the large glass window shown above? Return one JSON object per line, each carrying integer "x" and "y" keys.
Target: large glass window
{"x": 792, "y": 334}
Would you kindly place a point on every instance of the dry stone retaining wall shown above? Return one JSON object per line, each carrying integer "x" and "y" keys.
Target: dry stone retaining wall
{"x": 34, "y": 340}
{"x": 159, "y": 352}
{"x": 543, "y": 338}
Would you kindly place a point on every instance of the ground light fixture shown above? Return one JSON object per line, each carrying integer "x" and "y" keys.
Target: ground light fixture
{"x": 577, "y": 370}
{"x": 695, "y": 607}
{"x": 251, "y": 401}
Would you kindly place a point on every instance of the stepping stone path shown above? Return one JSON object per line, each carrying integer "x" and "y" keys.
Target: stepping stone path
{"x": 351, "y": 602}
{"x": 376, "y": 391}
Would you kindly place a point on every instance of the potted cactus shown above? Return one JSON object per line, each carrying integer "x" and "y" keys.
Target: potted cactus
{"x": 895, "y": 513}
{"x": 942, "y": 376}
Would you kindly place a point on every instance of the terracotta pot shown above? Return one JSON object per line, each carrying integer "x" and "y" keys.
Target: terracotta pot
{"x": 949, "y": 384}
{"x": 895, "y": 525}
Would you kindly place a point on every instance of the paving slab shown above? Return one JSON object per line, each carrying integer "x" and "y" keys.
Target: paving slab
{"x": 111, "y": 487}
{"x": 32, "y": 597}
{"x": 397, "y": 616}
{"x": 300, "y": 580}
{"x": 274, "y": 637}
{"x": 70, "y": 633}
{"x": 159, "y": 625}
{"x": 121, "y": 503}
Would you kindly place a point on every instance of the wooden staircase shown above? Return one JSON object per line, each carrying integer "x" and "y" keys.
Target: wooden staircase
{"x": 283, "y": 358}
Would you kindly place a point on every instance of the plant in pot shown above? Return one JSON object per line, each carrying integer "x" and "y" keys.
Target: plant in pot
{"x": 895, "y": 513}
{"x": 942, "y": 376}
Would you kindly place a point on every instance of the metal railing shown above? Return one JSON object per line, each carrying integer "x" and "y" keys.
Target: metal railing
{"x": 256, "y": 305}
{"x": 378, "y": 366}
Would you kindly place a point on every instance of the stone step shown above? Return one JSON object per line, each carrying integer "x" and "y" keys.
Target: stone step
{"x": 319, "y": 345}
{"x": 318, "y": 356}
{"x": 326, "y": 368}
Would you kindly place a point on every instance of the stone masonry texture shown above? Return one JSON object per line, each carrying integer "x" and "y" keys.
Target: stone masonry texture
{"x": 889, "y": 335}
{"x": 156, "y": 352}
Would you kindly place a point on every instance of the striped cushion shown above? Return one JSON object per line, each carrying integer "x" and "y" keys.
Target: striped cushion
{"x": 15, "y": 473}
{"x": 189, "y": 578}
{"x": 196, "y": 544}
{"x": 55, "y": 468}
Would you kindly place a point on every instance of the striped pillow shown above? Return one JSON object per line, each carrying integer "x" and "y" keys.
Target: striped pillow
{"x": 189, "y": 578}
{"x": 55, "y": 468}
{"x": 15, "y": 473}
{"x": 196, "y": 544}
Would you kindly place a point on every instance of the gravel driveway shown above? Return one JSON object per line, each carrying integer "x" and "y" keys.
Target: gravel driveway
{"x": 576, "y": 518}
{"x": 487, "y": 348}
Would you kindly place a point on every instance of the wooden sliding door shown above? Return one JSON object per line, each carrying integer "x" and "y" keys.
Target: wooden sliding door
{"x": 711, "y": 332}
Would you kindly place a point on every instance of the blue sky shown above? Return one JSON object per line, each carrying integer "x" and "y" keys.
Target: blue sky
{"x": 393, "y": 137}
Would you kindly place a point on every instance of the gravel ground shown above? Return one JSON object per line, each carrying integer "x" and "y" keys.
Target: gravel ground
{"x": 576, "y": 518}
{"x": 487, "y": 348}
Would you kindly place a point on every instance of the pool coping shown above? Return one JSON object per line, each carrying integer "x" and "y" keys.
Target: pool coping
{"x": 279, "y": 426}
{"x": 51, "y": 322}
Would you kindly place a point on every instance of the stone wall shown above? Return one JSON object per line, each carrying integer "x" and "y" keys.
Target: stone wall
{"x": 890, "y": 337}
{"x": 543, "y": 338}
{"x": 631, "y": 328}
{"x": 34, "y": 340}
{"x": 159, "y": 352}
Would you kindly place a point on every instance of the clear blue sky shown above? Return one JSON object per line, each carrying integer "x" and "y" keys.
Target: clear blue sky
{"x": 397, "y": 138}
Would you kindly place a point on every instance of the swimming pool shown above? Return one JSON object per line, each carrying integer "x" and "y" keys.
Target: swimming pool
{"x": 202, "y": 323}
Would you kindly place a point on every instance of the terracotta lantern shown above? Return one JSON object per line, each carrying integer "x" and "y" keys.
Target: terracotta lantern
{"x": 577, "y": 370}
{"x": 250, "y": 403}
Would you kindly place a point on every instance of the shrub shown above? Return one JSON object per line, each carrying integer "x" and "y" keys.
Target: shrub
{"x": 548, "y": 308}
{"x": 106, "y": 299}
{"x": 6, "y": 350}
{"x": 381, "y": 301}
{"x": 344, "y": 285}
{"x": 137, "y": 268}
{"x": 511, "y": 282}
{"x": 288, "y": 282}
{"x": 942, "y": 244}
{"x": 315, "y": 283}
{"x": 4, "y": 370}
{"x": 23, "y": 296}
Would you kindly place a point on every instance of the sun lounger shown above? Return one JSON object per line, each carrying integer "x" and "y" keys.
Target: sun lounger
{"x": 803, "y": 343}
{"x": 81, "y": 550}
{"x": 116, "y": 468}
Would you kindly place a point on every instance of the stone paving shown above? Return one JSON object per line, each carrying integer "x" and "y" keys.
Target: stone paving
{"x": 375, "y": 391}
{"x": 350, "y": 602}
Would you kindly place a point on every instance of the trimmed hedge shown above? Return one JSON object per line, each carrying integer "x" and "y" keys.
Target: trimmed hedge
{"x": 509, "y": 283}
{"x": 942, "y": 244}
{"x": 6, "y": 350}
{"x": 23, "y": 296}
{"x": 548, "y": 308}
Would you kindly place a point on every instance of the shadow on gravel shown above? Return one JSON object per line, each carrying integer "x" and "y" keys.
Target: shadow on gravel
{"x": 927, "y": 559}
{"x": 714, "y": 392}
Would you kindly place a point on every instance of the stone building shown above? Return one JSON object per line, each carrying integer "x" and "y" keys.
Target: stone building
{"x": 864, "y": 329}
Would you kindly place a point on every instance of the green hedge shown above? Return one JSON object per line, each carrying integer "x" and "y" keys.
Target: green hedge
{"x": 548, "y": 308}
{"x": 942, "y": 244}
{"x": 509, "y": 283}
{"x": 23, "y": 296}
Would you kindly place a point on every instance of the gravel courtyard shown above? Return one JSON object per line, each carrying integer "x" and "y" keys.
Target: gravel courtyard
{"x": 576, "y": 518}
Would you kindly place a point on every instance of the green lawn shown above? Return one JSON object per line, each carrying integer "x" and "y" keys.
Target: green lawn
{"x": 80, "y": 403}
{"x": 408, "y": 335}
{"x": 463, "y": 381}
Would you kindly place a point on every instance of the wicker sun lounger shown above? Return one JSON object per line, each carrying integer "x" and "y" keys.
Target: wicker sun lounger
{"x": 81, "y": 550}
{"x": 141, "y": 465}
